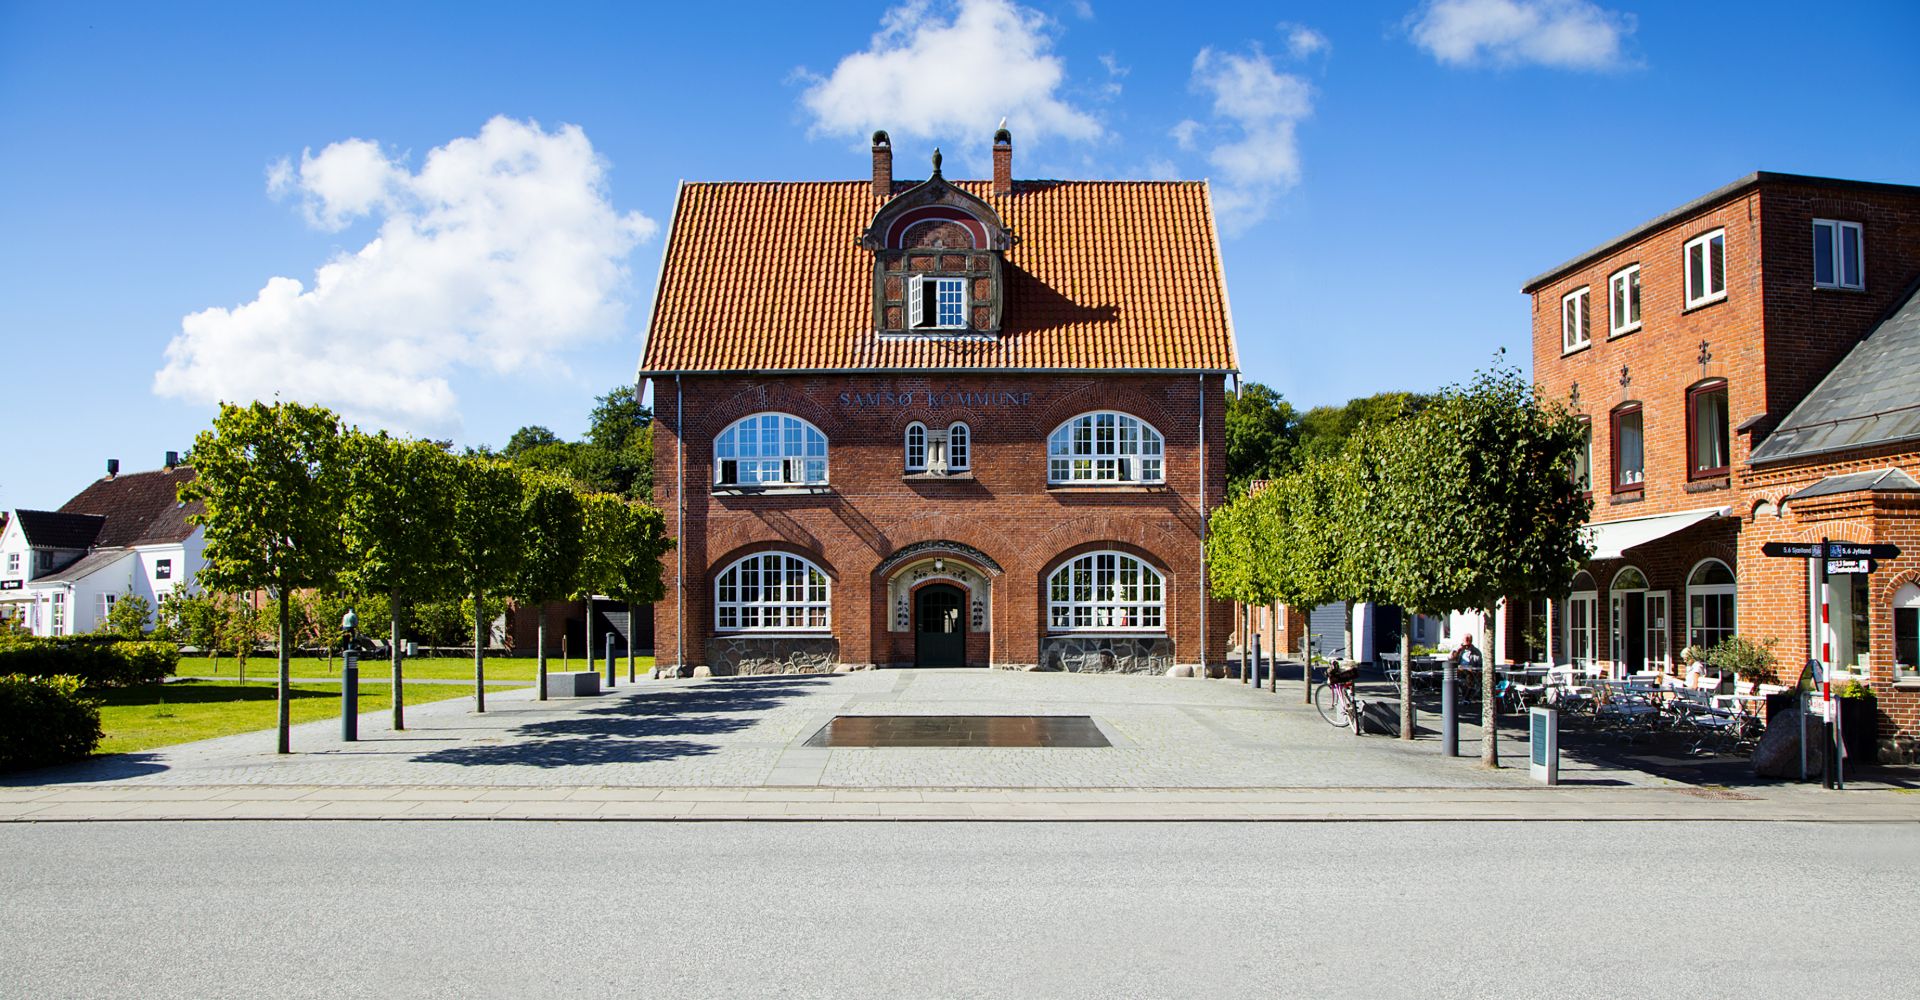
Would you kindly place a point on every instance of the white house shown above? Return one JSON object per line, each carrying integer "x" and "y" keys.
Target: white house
{"x": 61, "y": 571}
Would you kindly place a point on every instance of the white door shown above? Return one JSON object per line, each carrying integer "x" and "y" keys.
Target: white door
{"x": 1658, "y": 631}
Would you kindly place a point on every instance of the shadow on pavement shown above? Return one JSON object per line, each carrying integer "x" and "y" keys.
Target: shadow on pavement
{"x": 111, "y": 767}
{"x": 571, "y": 752}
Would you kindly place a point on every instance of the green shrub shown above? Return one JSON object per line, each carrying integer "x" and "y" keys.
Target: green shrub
{"x": 45, "y": 720}
{"x": 98, "y": 660}
{"x": 1743, "y": 657}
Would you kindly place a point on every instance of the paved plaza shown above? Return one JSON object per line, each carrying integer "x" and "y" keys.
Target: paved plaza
{"x": 1180, "y": 748}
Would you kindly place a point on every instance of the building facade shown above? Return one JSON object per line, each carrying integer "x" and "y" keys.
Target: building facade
{"x": 126, "y": 534}
{"x": 945, "y": 423}
{"x": 1749, "y": 370}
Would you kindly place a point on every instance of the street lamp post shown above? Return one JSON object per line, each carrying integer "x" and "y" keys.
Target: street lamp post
{"x": 350, "y": 680}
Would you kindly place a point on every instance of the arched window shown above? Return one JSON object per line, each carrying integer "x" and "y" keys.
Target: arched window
{"x": 959, "y": 447}
{"x": 770, "y": 449}
{"x": 770, "y": 591}
{"x": 1104, "y": 591}
{"x": 916, "y": 447}
{"x": 1629, "y": 578}
{"x": 1710, "y": 601}
{"x": 1105, "y": 447}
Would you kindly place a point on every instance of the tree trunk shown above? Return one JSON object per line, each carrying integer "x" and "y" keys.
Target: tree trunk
{"x": 1489, "y": 712}
{"x": 1406, "y": 675}
{"x": 393, "y": 654}
{"x": 479, "y": 654}
{"x": 286, "y": 678}
{"x": 540, "y": 654}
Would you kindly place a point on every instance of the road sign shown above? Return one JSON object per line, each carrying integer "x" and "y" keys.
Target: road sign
{"x": 1835, "y": 550}
{"x": 1843, "y": 567}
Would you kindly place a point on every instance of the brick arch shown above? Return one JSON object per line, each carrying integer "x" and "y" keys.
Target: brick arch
{"x": 1100, "y": 396}
{"x": 933, "y": 525}
{"x": 1892, "y": 585}
{"x": 1120, "y": 533}
{"x": 1104, "y": 545}
{"x": 1692, "y": 554}
{"x": 737, "y": 537}
{"x": 741, "y": 551}
{"x": 775, "y": 397}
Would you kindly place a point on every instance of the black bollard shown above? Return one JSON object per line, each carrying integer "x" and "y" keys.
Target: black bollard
{"x": 350, "y": 696}
{"x": 1256, "y": 660}
{"x": 611, "y": 666}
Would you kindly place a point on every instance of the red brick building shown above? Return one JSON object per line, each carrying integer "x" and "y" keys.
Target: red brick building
{"x": 1749, "y": 366}
{"x": 946, "y": 423}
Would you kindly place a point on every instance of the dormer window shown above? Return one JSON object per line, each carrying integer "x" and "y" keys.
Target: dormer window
{"x": 935, "y": 303}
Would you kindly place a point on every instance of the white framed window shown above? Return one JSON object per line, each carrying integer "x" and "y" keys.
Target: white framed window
{"x": 13, "y": 563}
{"x": 1838, "y": 253}
{"x": 1906, "y": 632}
{"x": 959, "y": 447}
{"x": 1583, "y": 622}
{"x": 936, "y": 303}
{"x": 1706, "y": 267}
{"x": 106, "y": 604}
{"x": 1654, "y": 607}
{"x": 1106, "y": 447}
{"x": 59, "y": 613}
{"x": 1623, "y": 301}
{"x": 771, "y": 592}
{"x": 1711, "y": 593}
{"x": 916, "y": 447}
{"x": 770, "y": 449}
{"x": 1575, "y": 332}
{"x": 1106, "y": 591}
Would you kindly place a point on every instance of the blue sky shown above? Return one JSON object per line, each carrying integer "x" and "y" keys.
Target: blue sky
{"x": 1388, "y": 173}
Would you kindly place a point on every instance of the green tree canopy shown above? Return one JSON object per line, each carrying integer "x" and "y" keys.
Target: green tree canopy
{"x": 488, "y": 545}
{"x": 1324, "y": 429}
{"x": 1262, "y": 431}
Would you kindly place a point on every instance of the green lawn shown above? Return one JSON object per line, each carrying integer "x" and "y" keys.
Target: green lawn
{"x": 515, "y": 668}
{"x": 154, "y": 715}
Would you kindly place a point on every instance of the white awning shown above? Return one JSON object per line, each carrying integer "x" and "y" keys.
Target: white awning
{"x": 1612, "y": 538}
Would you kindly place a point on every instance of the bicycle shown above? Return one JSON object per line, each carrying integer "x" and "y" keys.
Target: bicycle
{"x": 1336, "y": 699}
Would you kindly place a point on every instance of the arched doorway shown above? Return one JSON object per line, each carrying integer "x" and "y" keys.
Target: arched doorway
{"x": 939, "y": 626}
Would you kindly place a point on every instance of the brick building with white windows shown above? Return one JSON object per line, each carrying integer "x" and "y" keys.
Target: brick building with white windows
{"x": 126, "y": 534}
{"x": 944, "y": 423}
{"x": 1749, "y": 367}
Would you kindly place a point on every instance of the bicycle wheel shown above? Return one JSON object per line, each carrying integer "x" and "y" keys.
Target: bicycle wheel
{"x": 1332, "y": 706}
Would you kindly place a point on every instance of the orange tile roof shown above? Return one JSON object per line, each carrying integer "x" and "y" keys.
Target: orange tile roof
{"x": 1106, "y": 275}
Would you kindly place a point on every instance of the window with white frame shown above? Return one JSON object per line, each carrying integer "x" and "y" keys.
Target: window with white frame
{"x": 1706, "y": 267}
{"x": 1583, "y": 459}
{"x": 768, "y": 592}
{"x": 106, "y": 604}
{"x": 1837, "y": 255}
{"x": 1711, "y": 594}
{"x": 959, "y": 447}
{"x": 1583, "y": 622}
{"x": 1103, "y": 591}
{"x": 936, "y": 303}
{"x": 13, "y": 563}
{"x": 916, "y": 447}
{"x": 59, "y": 613}
{"x": 1629, "y": 448}
{"x": 1623, "y": 301}
{"x": 770, "y": 449}
{"x": 1906, "y": 632}
{"x": 1574, "y": 330}
{"x": 1105, "y": 447}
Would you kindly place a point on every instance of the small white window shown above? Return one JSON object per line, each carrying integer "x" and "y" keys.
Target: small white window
{"x": 13, "y": 562}
{"x": 1623, "y": 308}
{"x": 959, "y": 447}
{"x": 106, "y": 604}
{"x": 1574, "y": 332}
{"x": 916, "y": 447}
{"x": 936, "y": 303}
{"x": 1706, "y": 264}
{"x": 1837, "y": 255}
{"x": 59, "y": 613}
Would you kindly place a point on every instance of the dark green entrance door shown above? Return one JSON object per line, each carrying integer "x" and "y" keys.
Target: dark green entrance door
{"x": 940, "y": 626}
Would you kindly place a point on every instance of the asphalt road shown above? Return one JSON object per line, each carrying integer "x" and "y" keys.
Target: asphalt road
{"x": 529, "y": 909}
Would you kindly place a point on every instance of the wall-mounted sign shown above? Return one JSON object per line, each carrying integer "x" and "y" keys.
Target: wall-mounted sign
{"x": 934, "y": 398}
{"x": 13, "y": 584}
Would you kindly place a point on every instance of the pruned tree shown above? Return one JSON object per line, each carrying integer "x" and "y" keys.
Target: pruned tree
{"x": 553, "y": 522}
{"x": 1301, "y": 508}
{"x": 635, "y": 571}
{"x": 268, "y": 477}
{"x": 395, "y": 519}
{"x": 487, "y": 545}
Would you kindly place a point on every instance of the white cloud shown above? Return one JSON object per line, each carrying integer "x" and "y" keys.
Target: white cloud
{"x": 1186, "y": 134}
{"x": 1303, "y": 41}
{"x": 1564, "y": 34}
{"x": 940, "y": 70}
{"x": 1261, "y": 105}
{"x": 501, "y": 251}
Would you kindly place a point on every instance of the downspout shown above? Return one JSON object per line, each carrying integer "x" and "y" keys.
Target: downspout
{"x": 1202, "y": 670}
{"x": 680, "y": 532}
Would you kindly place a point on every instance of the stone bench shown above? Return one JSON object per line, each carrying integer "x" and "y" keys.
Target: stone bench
{"x": 572, "y": 684}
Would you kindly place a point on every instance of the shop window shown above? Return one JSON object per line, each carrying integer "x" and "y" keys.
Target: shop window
{"x": 1906, "y": 633}
{"x": 771, "y": 592}
{"x": 1849, "y": 618}
{"x": 1707, "y": 430}
{"x": 1629, "y": 449}
{"x": 1711, "y": 593}
{"x": 1106, "y": 591}
{"x": 1837, "y": 255}
{"x": 770, "y": 449}
{"x": 1583, "y": 623}
{"x": 1105, "y": 447}
{"x": 1706, "y": 266}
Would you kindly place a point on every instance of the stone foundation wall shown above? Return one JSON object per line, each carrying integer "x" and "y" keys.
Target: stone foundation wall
{"x": 733, "y": 655}
{"x": 1106, "y": 654}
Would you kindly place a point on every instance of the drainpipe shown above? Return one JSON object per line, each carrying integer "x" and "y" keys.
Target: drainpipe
{"x": 1201, "y": 671}
{"x": 680, "y": 543}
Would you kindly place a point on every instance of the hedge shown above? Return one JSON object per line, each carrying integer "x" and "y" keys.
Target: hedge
{"x": 99, "y": 661}
{"x": 45, "y": 720}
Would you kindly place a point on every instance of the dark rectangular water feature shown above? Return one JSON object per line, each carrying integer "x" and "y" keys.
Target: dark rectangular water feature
{"x": 959, "y": 731}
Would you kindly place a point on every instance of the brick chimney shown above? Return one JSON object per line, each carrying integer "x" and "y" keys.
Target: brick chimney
{"x": 882, "y": 165}
{"x": 173, "y": 459}
{"x": 1002, "y": 160}
{"x": 113, "y": 467}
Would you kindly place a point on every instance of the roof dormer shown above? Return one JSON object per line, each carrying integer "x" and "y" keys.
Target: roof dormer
{"x": 938, "y": 265}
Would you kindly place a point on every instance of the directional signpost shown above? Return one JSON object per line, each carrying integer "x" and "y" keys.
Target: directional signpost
{"x": 1843, "y": 558}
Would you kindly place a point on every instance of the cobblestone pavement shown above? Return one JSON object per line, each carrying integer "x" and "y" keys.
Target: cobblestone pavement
{"x": 1166, "y": 733}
